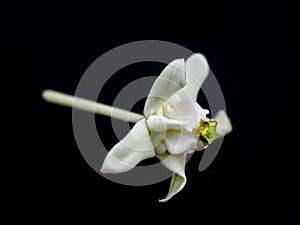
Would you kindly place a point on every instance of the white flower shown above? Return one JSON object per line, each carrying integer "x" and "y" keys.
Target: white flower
{"x": 174, "y": 124}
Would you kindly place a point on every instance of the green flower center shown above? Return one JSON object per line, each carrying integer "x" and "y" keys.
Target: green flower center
{"x": 208, "y": 131}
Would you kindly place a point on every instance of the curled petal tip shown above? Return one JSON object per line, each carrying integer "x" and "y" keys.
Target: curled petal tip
{"x": 224, "y": 125}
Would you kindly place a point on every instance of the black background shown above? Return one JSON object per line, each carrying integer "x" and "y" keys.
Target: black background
{"x": 251, "y": 48}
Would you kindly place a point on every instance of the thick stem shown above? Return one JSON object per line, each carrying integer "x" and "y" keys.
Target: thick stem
{"x": 90, "y": 106}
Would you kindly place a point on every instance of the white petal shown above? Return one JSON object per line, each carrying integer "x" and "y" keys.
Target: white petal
{"x": 158, "y": 123}
{"x": 171, "y": 79}
{"x": 182, "y": 107}
{"x": 224, "y": 125}
{"x": 157, "y": 138}
{"x": 132, "y": 149}
{"x": 197, "y": 70}
{"x": 161, "y": 149}
{"x": 179, "y": 142}
{"x": 176, "y": 164}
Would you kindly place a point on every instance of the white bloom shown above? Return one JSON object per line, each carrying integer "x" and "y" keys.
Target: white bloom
{"x": 174, "y": 124}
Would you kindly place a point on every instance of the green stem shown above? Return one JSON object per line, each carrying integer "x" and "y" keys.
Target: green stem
{"x": 90, "y": 106}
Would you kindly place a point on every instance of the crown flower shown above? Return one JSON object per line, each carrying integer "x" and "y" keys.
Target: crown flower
{"x": 173, "y": 124}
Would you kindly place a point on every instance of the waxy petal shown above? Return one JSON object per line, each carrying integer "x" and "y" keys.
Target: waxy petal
{"x": 182, "y": 107}
{"x": 224, "y": 125}
{"x": 176, "y": 164}
{"x": 171, "y": 79}
{"x": 157, "y": 138}
{"x": 197, "y": 70}
{"x": 132, "y": 149}
{"x": 178, "y": 142}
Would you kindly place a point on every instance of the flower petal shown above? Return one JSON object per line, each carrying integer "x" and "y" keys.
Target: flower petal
{"x": 176, "y": 164}
{"x": 179, "y": 142}
{"x": 197, "y": 70}
{"x": 224, "y": 125}
{"x": 171, "y": 79}
{"x": 133, "y": 148}
{"x": 182, "y": 107}
{"x": 159, "y": 123}
{"x": 157, "y": 138}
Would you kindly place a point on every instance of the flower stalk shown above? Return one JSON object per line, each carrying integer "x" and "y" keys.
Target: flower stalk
{"x": 90, "y": 106}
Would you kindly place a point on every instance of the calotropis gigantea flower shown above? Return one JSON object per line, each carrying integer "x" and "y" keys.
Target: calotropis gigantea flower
{"x": 173, "y": 125}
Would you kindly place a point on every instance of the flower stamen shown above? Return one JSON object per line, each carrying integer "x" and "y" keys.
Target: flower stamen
{"x": 207, "y": 131}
